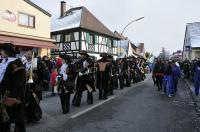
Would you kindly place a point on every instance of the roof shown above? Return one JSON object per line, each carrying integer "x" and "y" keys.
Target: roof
{"x": 193, "y": 34}
{"x": 121, "y": 36}
{"x": 80, "y": 17}
{"x": 37, "y": 7}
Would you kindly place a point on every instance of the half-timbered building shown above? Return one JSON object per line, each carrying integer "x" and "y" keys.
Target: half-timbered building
{"x": 78, "y": 29}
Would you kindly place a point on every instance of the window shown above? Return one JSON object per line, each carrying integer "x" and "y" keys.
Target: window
{"x": 67, "y": 37}
{"x": 108, "y": 42}
{"x": 90, "y": 38}
{"x": 26, "y": 20}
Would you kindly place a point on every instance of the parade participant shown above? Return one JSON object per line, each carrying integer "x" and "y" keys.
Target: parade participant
{"x": 85, "y": 79}
{"x": 127, "y": 72}
{"x": 54, "y": 74}
{"x": 120, "y": 73}
{"x": 111, "y": 75}
{"x": 65, "y": 82}
{"x": 186, "y": 68}
{"x": 33, "y": 93}
{"x": 103, "y": 66}
{"x": 168, "y": 77}
{"x": 197, "y": 77}
{"x": 153, "y": 65}
{"x": 159, "y": 73}
{"x": 12, "y": 87}
{"x": 133, "y": 71}
{"x": 176, "y": 74}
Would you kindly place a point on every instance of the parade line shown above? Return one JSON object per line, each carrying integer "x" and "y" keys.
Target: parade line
{"x": 91, "y": 108}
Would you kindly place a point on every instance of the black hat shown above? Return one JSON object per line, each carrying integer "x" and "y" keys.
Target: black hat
{"x": 83, "y": 52}
{"x": 110, "y": 56}
{"x": 9, "y": 48}
{"x": 66, "y": 57}
{"x": 104, "y": 55}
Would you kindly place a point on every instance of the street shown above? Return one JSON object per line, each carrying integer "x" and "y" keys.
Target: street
{"x": 139, "y": 108}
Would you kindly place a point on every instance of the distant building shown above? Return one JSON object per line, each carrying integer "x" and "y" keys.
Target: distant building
{"x": 176, "y": 55}
{"x": 191, "y": 47}
{"x": 127, "y": 48}
{"x": 78, "y": 29}
{"x": 26, "y": 25}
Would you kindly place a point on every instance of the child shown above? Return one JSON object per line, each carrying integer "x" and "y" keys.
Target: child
{"x": 54, "y": 74}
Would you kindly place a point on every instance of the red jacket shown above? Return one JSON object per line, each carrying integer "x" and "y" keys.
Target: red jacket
{"x": 54, "y": 74}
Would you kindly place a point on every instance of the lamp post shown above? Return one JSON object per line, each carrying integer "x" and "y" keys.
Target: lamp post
{"x": 126, "y": 28}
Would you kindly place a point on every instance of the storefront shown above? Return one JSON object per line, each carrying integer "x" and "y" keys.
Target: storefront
{"x": 27, "y": 27}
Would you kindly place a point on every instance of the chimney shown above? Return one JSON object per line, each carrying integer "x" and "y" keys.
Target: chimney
{"x": 62, "y": 8}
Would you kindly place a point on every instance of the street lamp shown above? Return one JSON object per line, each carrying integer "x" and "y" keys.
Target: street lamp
{"x": 127, "y": 26}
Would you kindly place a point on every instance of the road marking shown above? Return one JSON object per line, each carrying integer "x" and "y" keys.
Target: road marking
{"x": 92, "y": 107}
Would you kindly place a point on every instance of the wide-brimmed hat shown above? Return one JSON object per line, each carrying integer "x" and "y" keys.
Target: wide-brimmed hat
{"x": 104, "y": 55}
{"x": 8, "y": 47}
{"x": 110, "y": 56}
{"x": 66, "y": 57}
{"x": 83, "y": 52}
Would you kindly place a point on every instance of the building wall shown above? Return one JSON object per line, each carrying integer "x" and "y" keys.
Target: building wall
{"x": 42, "y": 21}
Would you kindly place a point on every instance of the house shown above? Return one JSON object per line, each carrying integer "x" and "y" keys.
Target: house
{"x": 176, "y": 55}
{"x": 128, "y": 48}
{"x": 191, "y": 47}
{"x": 141, "y": 49}
{"x": 78, "y": 29}
{"x": 27, "y": 27}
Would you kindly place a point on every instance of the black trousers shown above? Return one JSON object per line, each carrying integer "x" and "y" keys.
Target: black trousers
{"x": 78, "y": 96}
{"x": 128, "y": 80}
{"x": 159, "y": 82}
{"x": 19, "y": 127}
{"x": 110, "y": 86}
{"x": 65, "y": 102}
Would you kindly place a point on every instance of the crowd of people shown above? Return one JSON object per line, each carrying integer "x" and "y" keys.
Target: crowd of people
{"x": 166, "y": 74}
{"x": 23, "y": 78}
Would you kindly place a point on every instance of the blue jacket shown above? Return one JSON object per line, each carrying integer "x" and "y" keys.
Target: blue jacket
{"x": 176, "y": 72}
{"x": 197, "y": 73}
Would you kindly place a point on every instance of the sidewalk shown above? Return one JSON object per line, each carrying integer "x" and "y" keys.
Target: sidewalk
{"x": 190, "y": 85}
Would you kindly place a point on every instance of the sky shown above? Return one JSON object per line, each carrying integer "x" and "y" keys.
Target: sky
{"x": 163, "y": 26}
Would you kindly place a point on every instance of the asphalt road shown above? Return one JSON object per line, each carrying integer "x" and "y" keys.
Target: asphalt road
{"x": 137, "y": 109}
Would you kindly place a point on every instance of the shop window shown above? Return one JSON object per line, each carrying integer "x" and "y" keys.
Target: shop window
{"x": 26, "y": 20}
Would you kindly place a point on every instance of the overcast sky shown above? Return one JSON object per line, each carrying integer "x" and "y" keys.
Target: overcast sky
{"x": 163, "y": 25}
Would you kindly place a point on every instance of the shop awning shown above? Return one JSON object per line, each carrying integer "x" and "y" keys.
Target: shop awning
{"x": 25, "y": 42}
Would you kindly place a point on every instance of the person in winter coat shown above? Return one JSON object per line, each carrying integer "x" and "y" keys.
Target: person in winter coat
{"x": 12, "y": 87}
{"x": 176, "y": 74}
{"x": 168, "y": 79}
{"x": 159, "y": 73}
{"x": 197, "y": 77}
{"x": 54, "y": 74}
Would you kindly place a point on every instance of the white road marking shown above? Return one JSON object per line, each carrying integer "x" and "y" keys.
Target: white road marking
{"x": 91, "y": 108}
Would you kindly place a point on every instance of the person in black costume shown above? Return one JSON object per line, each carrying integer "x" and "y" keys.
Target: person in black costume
{"x": 33, "y": 93}
{"x": 85, "y": 79}
{"x": 65, "y": 82}
{"x": 12, "y": 87}
{"x": 104, "y": 68}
